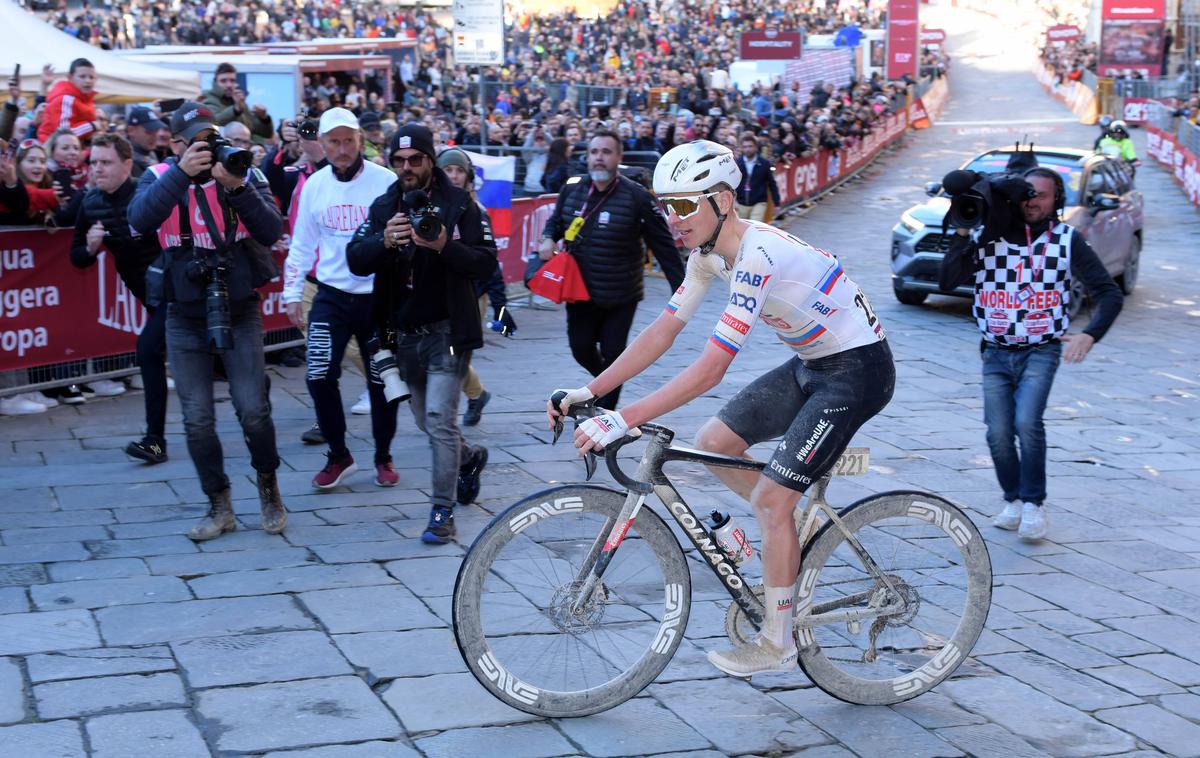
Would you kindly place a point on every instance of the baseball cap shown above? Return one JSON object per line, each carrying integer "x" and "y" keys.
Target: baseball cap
{"x": 335, "y": 117}
{"x": 190, "y": 119}
{"x": 142, "y": 116}
{"x": 369, "y": 120}
{"x": 413, "y": 136}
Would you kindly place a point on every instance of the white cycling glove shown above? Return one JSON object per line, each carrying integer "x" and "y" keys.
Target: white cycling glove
{"x": 574, "y": 397}
{"x": 606, "y": 429}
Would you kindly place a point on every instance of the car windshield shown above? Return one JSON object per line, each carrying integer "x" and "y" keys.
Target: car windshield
{"x": 1070, "y": 171}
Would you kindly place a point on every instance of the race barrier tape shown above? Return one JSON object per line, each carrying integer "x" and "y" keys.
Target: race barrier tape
{"x": 1075, "y": 95}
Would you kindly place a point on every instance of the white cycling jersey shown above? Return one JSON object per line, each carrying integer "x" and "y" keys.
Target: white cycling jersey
{"x": 798, "y": 290}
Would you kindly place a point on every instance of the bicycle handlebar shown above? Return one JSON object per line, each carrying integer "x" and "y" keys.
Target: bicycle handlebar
{"x": 610, "y": 450}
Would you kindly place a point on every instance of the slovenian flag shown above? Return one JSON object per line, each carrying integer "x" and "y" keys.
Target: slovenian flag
{"x": 494, "y": 178}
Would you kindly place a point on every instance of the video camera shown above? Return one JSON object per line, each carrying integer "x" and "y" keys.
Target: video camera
{"x": 992, "y": 201}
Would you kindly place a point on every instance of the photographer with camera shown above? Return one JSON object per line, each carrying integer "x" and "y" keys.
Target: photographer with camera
{"x": 333, "y": 204}
{"x": 214, "y": 217}
{"x": 427, "y": 245}
{"x": 1022, "y": 262}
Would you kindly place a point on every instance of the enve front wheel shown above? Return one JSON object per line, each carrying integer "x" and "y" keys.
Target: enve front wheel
{"x": 515, "y": 615}
{"x": 921, "y": 618}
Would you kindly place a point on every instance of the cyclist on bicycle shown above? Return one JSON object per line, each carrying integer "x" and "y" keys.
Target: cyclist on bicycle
{"x": 840, "y": 376}
{"x": 1117, "y": 144}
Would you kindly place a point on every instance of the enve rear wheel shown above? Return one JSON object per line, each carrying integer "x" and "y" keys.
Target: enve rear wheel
{"x": 513, "y": 616}
{"x": 940, "y": 579}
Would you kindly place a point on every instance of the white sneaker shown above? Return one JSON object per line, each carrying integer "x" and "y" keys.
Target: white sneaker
{"x": 363, "y": 406}
{"x": 39, "y": 398}
{"x": 1010, "y": 517}
{"x": 1033, "y": 523}
{"x": 107, "y": 388}
{"x": 170, "y": 383}
{"x": 135, "y": 382}
{"x": 19, "y": 406}
{"x": 754, "y": 657}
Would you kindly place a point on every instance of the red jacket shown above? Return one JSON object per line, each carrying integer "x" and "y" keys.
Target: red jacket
{"x": 67, "y": 106}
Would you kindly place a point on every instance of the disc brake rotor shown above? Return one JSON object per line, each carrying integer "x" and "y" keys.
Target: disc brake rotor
{"x": 571, "y": 622}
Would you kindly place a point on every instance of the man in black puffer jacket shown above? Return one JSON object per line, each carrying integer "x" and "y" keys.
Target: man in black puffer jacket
{"x": 103, "y": 223}
{"x": 602, "y": 221}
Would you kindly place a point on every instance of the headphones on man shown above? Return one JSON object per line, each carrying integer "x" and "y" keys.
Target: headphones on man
{"x": 1060, "y": 190}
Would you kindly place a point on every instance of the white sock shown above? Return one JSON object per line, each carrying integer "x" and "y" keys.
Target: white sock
{"x": 779, "y": 616}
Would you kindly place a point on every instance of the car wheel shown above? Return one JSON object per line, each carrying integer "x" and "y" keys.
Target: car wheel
{"x": 909, "y": 298}
{"x": 1128, "y": 278}
{"x": 1077, "y": 297}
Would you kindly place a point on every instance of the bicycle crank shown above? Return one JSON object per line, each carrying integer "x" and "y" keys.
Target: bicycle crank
{"x": 911, "y": 603}
{"x": 738, "y": 628}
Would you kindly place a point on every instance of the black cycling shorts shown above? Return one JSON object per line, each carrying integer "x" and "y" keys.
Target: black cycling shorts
{"x": 816, "y": 406}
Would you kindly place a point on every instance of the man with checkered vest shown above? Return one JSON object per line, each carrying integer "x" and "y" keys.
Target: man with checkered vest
{"x": 1022, "y": 293}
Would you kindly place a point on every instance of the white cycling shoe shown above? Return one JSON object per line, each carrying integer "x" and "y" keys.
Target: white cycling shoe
{"x": 756, "y": 657}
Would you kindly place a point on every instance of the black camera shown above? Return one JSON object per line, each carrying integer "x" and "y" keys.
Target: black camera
{"x": 992, "y": 201}
{"x": 422, "y": 215}
{"x": 233, "y": 159}
{"x": 216, "y": 299}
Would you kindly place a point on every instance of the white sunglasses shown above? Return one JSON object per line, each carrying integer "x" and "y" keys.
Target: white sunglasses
{"x": 683, "y": 207}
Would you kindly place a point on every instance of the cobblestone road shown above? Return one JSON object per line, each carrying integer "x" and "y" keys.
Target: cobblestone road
{"x": 121, "y": 637}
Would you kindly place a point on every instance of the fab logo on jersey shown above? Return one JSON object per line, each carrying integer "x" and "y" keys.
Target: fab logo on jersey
{"x": 754, "y": 280}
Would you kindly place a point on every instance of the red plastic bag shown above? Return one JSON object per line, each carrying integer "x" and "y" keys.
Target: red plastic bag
{"x": 559, "y": 280}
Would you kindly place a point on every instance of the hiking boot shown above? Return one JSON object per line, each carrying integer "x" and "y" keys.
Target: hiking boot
{"x": 217, "y": 521}
{"x": 475, "y": 409}
{"x": 440, "y": 529}
{"x": 274, "y": 515}
{"x": 755, "y": 657}
{"x": 313, "y": 435}
{"x": 150, "y": 449}
{"x": 468, "y": 475}
{"x": 1010, "y": 517}
{"x": 1033, "y": 522}
{"x": 385, "y": 475}
{"x": 336, "y": 469}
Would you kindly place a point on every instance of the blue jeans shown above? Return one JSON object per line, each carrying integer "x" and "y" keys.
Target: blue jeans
{"x": 1016, "y": 386}
{"x": 192, "y": 366}
{"x": 435, "y": 375}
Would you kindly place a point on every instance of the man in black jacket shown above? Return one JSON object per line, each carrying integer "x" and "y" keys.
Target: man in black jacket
{"x": 1022, "y": 295}
{"x": 103, "y": 222}
{"x": 758, "y": 183}
{"x": 427, "y": 309}
{"x": 602, "y": 221}
{"x": 209, "y": 243}
{"x": 142, "y": 127}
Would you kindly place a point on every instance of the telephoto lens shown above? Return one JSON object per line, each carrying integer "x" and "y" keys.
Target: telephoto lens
{"x": 216, "y": 312}
{"x": 383, "y": 362}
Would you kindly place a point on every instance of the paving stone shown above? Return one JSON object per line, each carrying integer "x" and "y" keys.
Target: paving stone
{"x": 49, "y": 630}
{"x": 337, "y": 535}
{"x": 169, "y": 622}
{"x": 44, "y": 553}
{"x": 935, "y": 711}
{"x": 56, "y": 518}
{"x": 22, "y": 575}
{"x": 1084, "y": 598}
{"x": 448, "y": 701}
{"x": 146, "y": 546}
{"x": 1058, "y": 729}
{"x": 54, "y": 534}
{"x": 427, "y": 577}
{"x": 164, "y": 733}
{"x": 1162, "y": 729}
{"x": 296, "y": 579}
{"x": 990, "y": 739}
{"x": 1116, "y": 643}
{"x": 33, "y": 500}
{"x": 396, "y": 548}
{"x": 1059, "y": 681}
{"x": 72, "y": 497}
{"x": 885, "y": 732}
{"x": 1132, "y": 679}
{"x": 358, "y": 514}
{"x": 369, "y": 609}
{"x": 255, "y": 658}
{"x": 391, "y": 655}
{"x": 247, "y": 538}
{"x": 1138, "y": 555}
{"x": 1059, "y": 648}
{"x": 1169, "y": 667}
{"x": 373, "y": 749}
{"x": 536, "y": 740}
{"x": 12, "y": 692}
{"x": 735, "y": 717}
{"x": 56, "y": 739}
{"x": 1171, "y": 633}
{"x": 1186, "y": 705}
{"x": 623, "y": 731}
{"x": 114, "y": 568}
{"x": 106, "y": 592}
{"x": 83, "y": 697}
{"x": 200, "y": 564}
{"x": 1063, "y": 622}
{"x": 107, "y": 661}
{"x": 295, "y": 714}
{"x": 13, "y": 600}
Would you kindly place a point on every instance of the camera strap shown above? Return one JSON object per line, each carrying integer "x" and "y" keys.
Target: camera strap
{"x": 1034, "y": 270}
{"x": 221, "y": 244}
{"x": 185, "y": 224}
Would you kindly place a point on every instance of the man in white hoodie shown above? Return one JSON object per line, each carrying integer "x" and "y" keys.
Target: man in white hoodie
{"x": 333, "y": 205}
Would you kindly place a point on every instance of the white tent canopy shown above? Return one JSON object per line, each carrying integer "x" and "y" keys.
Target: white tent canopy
{"x": 33, "y": 43}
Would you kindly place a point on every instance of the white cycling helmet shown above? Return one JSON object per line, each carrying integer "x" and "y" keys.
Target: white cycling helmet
{"x": 696, "y": 166}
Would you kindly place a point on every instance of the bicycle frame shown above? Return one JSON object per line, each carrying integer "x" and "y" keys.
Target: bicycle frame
{"x": 650, "y": 478}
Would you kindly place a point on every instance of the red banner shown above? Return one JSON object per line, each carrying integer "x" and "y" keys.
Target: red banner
{"x": 1131, "y": 37}
{"x": 806, "y": 177}
{"x": 933, "y": 37}
{"x": 529, "y": 215}
{"x": 1181, "y": 162}
{"x": 1136, "y": 110}
{"x": 770, "y": 45}
{"x": 1063, "y": 33}
{"x": 1139, "y": 9}
{"x": 902, "y": 33}
{"x": 55, "y": 312}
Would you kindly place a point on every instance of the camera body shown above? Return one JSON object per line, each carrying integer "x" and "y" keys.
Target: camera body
{"x": 422, "y": 214}
{"x": 233, "y": 159}
{"x": 992, "y": 201}
{"x": 210, "y": 269}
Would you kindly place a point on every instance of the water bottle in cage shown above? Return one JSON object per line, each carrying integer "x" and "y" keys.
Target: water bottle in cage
{"x": 731, "y": 538}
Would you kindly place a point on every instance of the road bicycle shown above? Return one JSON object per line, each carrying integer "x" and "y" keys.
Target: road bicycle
{"x": 574, "y": 599}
